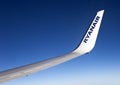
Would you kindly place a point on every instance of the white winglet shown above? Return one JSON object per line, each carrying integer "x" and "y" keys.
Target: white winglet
{"x": 90, "y": 37}
{"x": 86, "y": 46}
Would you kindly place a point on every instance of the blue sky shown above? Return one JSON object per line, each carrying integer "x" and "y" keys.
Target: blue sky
{"x": 31, "y": 31}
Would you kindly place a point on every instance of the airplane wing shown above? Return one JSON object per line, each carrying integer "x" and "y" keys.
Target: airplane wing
{"x": 86, "y": 45}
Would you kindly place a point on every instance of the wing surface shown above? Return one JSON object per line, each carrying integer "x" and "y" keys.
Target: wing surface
{"x": 85, "y": 46}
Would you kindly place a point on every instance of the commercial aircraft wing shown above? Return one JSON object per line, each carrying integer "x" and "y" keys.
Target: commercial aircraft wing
{"x": 86, "y": 45}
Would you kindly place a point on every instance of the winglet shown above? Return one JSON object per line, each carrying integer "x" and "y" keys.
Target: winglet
{"x": 90, "y": 37}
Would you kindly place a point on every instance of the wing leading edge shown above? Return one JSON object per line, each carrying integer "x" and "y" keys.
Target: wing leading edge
{"x": 85, "y": 46}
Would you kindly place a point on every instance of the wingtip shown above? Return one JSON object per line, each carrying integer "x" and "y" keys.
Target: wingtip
{"x": 90, "y": 37}
{"x": 101, "y": 11}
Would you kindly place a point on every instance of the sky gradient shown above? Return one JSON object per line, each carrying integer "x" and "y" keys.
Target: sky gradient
{"x": 32, "y": 30}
